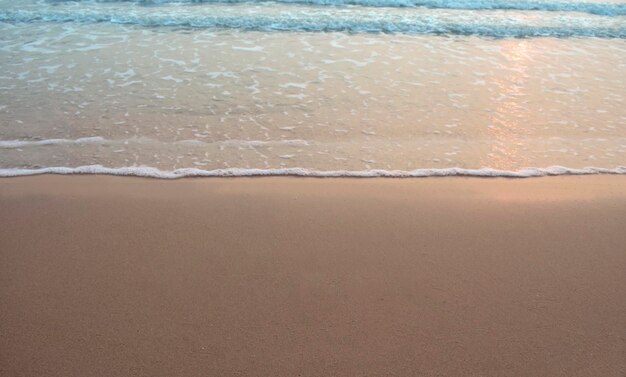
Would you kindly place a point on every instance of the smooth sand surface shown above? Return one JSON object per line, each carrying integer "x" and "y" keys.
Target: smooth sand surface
{"x": 115, "y": 276}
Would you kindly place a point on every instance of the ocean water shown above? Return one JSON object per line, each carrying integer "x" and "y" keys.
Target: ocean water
{"x": 313, "y": 87}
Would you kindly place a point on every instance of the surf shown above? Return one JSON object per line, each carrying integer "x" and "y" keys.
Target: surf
{"x": 276, "y": 19}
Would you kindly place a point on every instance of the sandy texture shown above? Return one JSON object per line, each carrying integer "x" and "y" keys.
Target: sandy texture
{"x": 113, "y": 276}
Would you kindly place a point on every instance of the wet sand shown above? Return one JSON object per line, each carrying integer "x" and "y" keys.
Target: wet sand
{"x": 115, "y": 276}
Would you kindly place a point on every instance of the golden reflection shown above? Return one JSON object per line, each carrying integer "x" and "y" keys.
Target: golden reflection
{"x": 506, "y": 130}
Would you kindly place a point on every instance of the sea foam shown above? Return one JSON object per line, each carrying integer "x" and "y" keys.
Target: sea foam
{"x": 150, "y": 172}
{"x": 98, "y": 140}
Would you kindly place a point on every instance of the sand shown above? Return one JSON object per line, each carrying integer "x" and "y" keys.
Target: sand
{"x": 118, "y": 276}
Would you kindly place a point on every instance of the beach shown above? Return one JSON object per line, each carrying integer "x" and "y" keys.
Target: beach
{"x": 284, "y": 276}
{"x": 194, "y": 188}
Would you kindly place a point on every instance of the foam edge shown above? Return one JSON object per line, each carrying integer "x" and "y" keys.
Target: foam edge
{"x": 150, "y": 172}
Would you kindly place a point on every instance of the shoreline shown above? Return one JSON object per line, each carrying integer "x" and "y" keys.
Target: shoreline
{"x": 281, "y": 276}
{"x": 150, "y": 172}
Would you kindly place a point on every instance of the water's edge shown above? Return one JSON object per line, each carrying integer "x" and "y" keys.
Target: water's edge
{"x": 149, "y": 172}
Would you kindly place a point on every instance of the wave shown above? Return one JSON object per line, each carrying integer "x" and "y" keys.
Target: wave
{"x": 602, "y": 9}
{"x": 497, "y": 27}
{"x": 150, "y": 172}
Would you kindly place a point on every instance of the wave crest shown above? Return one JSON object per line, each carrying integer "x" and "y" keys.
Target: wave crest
{"x": 330, "y": 22}
{"x": 602, "y": 9}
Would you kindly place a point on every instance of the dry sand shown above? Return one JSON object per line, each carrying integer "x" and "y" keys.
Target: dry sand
{"x": 113, "y": 276}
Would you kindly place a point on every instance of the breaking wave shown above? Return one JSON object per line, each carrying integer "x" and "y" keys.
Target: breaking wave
{"x": 375, "y": 22}
{"x": 603, "y": 9}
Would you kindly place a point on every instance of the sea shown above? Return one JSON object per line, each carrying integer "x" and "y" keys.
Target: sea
{"x": 362, "y": 88}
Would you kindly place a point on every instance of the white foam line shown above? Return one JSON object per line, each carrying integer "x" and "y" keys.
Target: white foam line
{"x": 247, "y": 143}
{"x": 11, "y": 144}
{"x": 150, "y": 172}
{"x": 97, "y": 140}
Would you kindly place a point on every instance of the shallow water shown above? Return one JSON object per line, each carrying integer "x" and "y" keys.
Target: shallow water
{"x": 312, "y": 87}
